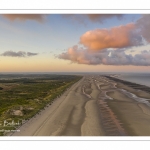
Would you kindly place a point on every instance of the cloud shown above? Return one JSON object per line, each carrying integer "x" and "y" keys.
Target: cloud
{"x": 105, "y": 57}
{"x": 102, "y": 17}
{"x": 116, "y": 37}
{"x": 132, "y": 34}
{"x": 18, "y": 54}
{"x": 81, "y": 18}
{"x": 108, "y": 46}
{"x": 31, "y": 54}
{"x": 24, "y": 17}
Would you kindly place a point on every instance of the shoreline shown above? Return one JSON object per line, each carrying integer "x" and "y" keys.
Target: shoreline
{"x": 131, "y": 84}
{"x": 93, "y": 106}
{"x": 132, "y": 107}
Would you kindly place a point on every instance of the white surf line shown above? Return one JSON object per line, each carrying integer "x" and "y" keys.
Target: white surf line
{"x": 133, "y": 96}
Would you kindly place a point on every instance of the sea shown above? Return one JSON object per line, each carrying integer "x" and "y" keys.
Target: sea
{"x": 139, "y": 78}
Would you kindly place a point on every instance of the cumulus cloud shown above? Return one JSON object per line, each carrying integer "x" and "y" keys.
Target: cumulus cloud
{"x": 116, "y": 37}
{"x": 108, "y": 46}
{"x": 105, "y": 57}
{"x": 18, "y": 54}
{"x": 24, "y": 17}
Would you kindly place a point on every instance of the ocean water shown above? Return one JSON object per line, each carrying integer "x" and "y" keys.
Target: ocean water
{"x": 139, "y": 78}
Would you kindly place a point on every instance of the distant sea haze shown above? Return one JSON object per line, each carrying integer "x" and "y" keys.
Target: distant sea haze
{"x": 139, "y": 78}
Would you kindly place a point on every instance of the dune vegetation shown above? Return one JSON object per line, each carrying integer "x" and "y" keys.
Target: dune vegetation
{"x": 21, "y": 97}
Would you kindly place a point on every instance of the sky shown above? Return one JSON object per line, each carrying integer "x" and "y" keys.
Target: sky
{"x": 74, "y": 43}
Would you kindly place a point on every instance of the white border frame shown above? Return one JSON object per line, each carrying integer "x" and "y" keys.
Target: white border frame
{"x": 75, "y": 11}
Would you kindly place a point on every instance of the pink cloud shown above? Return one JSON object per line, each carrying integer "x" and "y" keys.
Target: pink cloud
{"x": 116, "y": 37}
{"x": 97, "y": 42}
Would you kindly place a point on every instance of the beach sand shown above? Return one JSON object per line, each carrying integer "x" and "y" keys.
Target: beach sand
{"x": 94, "y": 106}
{"x": 134, "y": 115}
{"x": 73, "y": 114}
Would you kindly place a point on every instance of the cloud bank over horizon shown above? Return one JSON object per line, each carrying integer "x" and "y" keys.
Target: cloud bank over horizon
{"x": 106, "y": 57}
{"x": 95, "y": 44}
{"x": 18, "y": 54}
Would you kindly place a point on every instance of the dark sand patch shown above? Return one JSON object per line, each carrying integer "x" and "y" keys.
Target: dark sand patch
{"x": 117, "y": 95}
{"x": 87, "y": 90}
{"x": 133, "y": 117}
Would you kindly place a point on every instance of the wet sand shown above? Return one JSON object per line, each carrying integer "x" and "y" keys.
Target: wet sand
{"x": 134, "y": 115}
{"x": 94, "y": 106}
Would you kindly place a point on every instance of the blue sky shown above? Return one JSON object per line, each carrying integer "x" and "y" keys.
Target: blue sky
{"x": 56, "y": 34}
